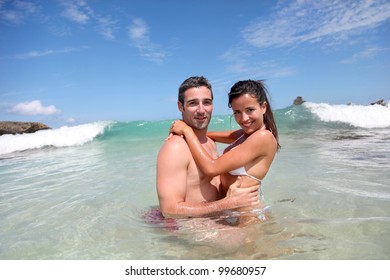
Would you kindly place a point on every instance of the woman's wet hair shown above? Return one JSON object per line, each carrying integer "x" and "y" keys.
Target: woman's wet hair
{"x": 258, "y": 90}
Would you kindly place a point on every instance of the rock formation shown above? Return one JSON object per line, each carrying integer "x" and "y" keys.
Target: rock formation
{"x": 379, "y": 102}
{"x": 21, "y": 127}
{"x": 298, "y": 100}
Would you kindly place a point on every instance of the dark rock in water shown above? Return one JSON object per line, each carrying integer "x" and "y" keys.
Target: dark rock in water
{"x": 379, "y": 102}
{"x": 21, "y": 127}
{"x": 298, "y": 100}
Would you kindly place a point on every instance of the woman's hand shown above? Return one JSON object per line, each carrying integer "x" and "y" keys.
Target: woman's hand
{"x": 178, "y": 127}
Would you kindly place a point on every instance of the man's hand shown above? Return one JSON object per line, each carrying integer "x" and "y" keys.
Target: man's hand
{"x": 243, "y": 197}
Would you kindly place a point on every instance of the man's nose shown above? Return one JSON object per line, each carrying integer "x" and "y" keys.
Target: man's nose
{"x": 200, "y": 108}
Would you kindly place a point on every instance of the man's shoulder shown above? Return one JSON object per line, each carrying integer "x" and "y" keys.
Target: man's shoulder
{"x": 174, "y": 150}
{"x": 175, "y": 144}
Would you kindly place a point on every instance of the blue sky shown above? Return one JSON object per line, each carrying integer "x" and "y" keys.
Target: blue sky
{"x": 64, "y": 62}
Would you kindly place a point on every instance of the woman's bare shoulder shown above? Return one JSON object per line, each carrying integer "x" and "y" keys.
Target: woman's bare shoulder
{"x": 264, "y": 136}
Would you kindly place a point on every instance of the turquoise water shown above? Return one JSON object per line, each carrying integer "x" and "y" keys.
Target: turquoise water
{"x": 83, "y": 192}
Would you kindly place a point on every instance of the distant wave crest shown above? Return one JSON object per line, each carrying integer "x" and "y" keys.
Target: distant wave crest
{"x": 371, "y": 116}
{"x": 60, "y": 137}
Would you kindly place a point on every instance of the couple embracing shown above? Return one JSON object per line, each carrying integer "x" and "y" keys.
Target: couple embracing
{"x": 192, "y": 179}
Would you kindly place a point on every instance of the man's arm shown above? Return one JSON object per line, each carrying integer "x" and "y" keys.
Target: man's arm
{"x": 171, "y": 180}
{"x": 236, "y": 198}
{"x": 172, "y": 163}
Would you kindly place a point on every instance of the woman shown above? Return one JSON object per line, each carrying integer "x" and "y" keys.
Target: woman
{"x": 253, "y": 147}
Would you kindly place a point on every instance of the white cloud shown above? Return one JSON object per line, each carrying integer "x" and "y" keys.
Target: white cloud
{"x": 11, "y": 16}
{"x": 138, "y": 30}
{"x": 315, "y": 21}
{"x": 80, "y": 12}
{"x": 138, "y": 33}
{"x": 242, "y": 62}
{"x": 35, "y": 53}
{"x": 77, "y": 11}
{"x": 26, "y": 6}
{"x": 16, "y": 11}
{"x": 365, "y": 54}
{"x": 107, "y": 27}
{"x": 296, "y": 22}
{"x": 34, "y": 108}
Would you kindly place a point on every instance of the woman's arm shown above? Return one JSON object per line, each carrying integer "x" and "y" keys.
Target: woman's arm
{"x": 171, "y": 184}
{"x": 248, "y": 151}
{"x": 226, "y": 137}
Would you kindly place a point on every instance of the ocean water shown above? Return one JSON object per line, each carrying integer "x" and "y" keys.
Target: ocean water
{"x": 85, "y": 192}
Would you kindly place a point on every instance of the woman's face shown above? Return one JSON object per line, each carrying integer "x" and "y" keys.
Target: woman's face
{"x": 248, "y": 112}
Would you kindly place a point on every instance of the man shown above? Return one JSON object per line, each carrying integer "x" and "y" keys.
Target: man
{"x": 183, "y": 190}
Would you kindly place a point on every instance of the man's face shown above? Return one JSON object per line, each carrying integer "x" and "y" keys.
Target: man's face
{"x": 197, "y": 108}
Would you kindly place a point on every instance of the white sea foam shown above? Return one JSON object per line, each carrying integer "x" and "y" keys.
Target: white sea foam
{"x": 372, "y": 116}
{"x": 60, "y": 137}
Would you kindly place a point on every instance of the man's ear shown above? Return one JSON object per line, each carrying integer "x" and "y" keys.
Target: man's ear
{"x": 180, "y": 106}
